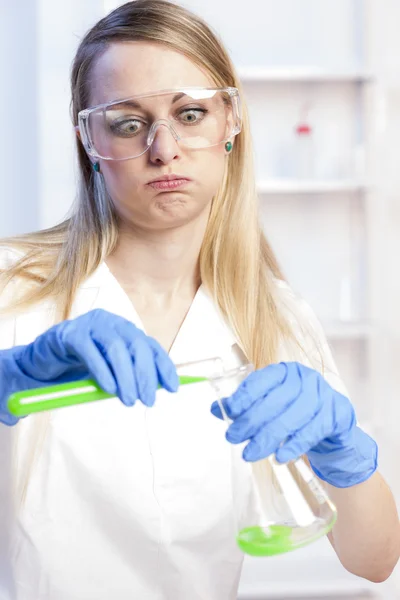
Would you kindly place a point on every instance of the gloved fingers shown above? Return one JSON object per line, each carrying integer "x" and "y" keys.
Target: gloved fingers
{"x": 334, "y": 419}
{"x": 345, "y": 417}
{"x": 145, "y": 370}
{"x": 275, "y": 403}
{"x": 270, "y": 437}
{"x": 216, "y": 410}
{"x": 102, "y": 323}
{"x": 120, "y": 364}
{"x": 90, "y": 355}
{"x": 43, "y": 359}
{"x": 7, "y": 419}
{"x": 152, "y": 364}
{"x": 305, "y": 438}
{"x": 255, "y": 419}
{"x": 273, "y": 421}
{"x": 155, "y": 366}
{"x": 285, "y": 393}
{"x": 265, "y": 413}
{"x": 254, "y": 387}
{"x": 166, "y": 370}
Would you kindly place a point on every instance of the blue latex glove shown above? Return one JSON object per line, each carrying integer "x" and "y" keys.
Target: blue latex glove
{"x": 291, "y": 410}
{"x": 99, "y": 345}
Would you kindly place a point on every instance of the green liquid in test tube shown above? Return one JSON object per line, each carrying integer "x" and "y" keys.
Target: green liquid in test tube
{"x": 36, "y": 400}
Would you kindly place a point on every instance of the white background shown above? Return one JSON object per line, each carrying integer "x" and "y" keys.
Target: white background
{"x": 340, "y": 249}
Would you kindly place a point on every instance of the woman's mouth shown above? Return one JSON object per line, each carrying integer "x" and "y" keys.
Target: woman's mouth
{"x": 168, "y": 185}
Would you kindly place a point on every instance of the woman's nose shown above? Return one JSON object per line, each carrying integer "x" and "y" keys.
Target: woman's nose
{"x": 164, "y": 147}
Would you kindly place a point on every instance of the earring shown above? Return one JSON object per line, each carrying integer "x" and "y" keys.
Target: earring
{"x": 228, "y": 146}
{"x": 96, "y": 167}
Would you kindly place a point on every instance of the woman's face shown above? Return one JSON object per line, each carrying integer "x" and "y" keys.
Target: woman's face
{"x": 133, "y": 68}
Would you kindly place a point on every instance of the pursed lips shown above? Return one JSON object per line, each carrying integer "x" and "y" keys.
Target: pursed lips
{"x": 169, "y": 182}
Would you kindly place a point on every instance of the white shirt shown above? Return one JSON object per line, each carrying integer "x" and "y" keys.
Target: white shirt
{"x": 128, "y": 503}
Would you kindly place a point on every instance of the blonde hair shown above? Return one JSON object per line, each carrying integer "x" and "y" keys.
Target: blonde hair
{"x": 237, "y": 265}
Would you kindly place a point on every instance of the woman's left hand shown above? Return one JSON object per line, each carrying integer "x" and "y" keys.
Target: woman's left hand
{"x": 289, "y": 410}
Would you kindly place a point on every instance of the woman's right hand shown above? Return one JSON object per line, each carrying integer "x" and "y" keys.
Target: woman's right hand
{"x": 100, "y": 345}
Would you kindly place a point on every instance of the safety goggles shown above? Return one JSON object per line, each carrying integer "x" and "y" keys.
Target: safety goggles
{"x": 196, "y": 117}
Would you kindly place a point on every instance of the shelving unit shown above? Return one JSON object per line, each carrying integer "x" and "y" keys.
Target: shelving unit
{"x": 319, "y": 228}
{"x": 318, "y": 225}
{"x": 349, "y": 330}
{"x": 293, "y": 186}
{"x": 300, "y": 75}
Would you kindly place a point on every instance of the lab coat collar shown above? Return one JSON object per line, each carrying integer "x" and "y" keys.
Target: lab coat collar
{"x": 97, "y": 278}
{"x": 202, "y": 324}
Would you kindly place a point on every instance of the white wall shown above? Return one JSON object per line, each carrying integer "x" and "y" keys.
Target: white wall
{"x": 19, "y": 172}
{"x": 38, "y": 39}
{"x": 60, "y": 27}
{"x": 384, "y": 229}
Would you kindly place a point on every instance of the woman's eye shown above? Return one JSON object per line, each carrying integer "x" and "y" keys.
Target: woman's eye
{"x": 192, "y": 115}
{"x": 126, "y": 127}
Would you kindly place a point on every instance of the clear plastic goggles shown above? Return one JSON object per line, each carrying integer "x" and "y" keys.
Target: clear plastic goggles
{"x": 196, "y": 117}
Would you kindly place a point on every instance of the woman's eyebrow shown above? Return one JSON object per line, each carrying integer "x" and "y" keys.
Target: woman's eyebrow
{"x": 178, "y": 97}
{"x": 133, "y": 104}
{"x": 130, "y": 103}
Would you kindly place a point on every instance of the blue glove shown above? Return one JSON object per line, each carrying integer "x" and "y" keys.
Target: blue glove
{"x": 100, "y": 345}
{"x": 291, "y": 410}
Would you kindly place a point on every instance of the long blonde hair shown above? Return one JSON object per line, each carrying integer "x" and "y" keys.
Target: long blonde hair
{"x": 237, "y": 265}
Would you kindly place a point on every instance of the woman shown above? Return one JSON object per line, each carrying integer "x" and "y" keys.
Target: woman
{"x": 164, "y": 244}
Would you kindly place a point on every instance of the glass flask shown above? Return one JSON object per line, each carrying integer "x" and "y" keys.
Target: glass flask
{"x": 278, "y": 507}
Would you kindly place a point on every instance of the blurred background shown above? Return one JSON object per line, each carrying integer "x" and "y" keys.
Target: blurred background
{"x": 322, "y": 82}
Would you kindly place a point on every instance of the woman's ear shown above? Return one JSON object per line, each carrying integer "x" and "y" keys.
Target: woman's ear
{"x": 77, "y": 131}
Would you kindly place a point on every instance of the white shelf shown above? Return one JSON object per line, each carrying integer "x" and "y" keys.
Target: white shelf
{"x": 311, "y": 591}
{"x": 310, "y": 572}
{"x": 300, "y": 75}
{"x": 294, "y": 186}
{"x": 348, "y": 330}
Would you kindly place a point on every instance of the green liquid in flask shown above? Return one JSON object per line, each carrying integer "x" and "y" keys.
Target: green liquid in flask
{"x": 259, "y": 541}
{"x": 277, "y": 539}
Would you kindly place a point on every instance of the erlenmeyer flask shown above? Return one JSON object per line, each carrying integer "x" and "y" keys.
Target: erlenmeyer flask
{"x": 278, "y": 507}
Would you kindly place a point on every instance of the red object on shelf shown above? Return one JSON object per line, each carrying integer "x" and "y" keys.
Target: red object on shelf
{"x": 303, "y": 129}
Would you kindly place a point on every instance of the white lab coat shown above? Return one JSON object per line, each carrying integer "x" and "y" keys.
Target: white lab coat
{"x": 128, "y": 503}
